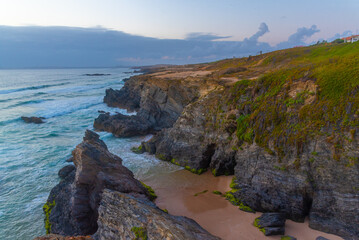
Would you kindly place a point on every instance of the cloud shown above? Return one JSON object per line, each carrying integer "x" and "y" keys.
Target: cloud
{"x": 346, "y": 33}
{"x": 263, "y": 29}
{"x": 33, "y": 46}
{"x": 198, "y": 36}
{"x": 299, "y": 37}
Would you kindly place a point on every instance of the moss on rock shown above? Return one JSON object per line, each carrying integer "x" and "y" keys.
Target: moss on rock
{"x": 47, "y": 208}
{"x": 140, "y": 233}
{"x": 150, "y": 191}
{"x": 138, "y": 150}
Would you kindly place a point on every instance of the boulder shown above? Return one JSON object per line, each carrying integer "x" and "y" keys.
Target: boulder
{"x": 271, "y": 220}
{"x": 271, "y": 223}
{"x": 321, "y": 238}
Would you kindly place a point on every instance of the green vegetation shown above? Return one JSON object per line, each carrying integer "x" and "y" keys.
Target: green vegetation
{"x": 196, "y": 171}
{"x": 217, "y": 192}
{"x": 338, "y": 41}
{"x": 235, "y": 201}
{"x": 281, "y": 168}
{"x": 47, "y": 208}
{"x": 161, "y": 157}
{"x": 140, "y": 233}
{"x": 304, "y": 93}
{"x": 233, "y": 184}
{"x": 204, "y": 191}
{"x": 286, "y": 238}
{"x": 137, "y": 150}
{"x": 192, "y": 170}
{"x": 165, "y": 210}
{"x": 174, "y": 161}
{"x": 256, "y": 224}
{"x": 150, "y": 191}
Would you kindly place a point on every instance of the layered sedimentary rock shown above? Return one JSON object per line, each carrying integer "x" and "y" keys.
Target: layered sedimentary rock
{"x": 71, "y": 208}
{"x": 121, "y": 216}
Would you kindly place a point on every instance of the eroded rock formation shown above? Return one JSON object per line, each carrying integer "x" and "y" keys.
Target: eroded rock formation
{"x": 157, "y": 101}
{"x": 99, "y": 195}
{"x": 75, "y": 200}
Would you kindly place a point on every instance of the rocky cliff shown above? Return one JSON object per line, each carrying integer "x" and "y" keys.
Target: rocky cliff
{"x": 71, "y": 208}
{"x": 286, "y": 125}
{"x": 157, "y": 99}
{"x": 99, "y": 195}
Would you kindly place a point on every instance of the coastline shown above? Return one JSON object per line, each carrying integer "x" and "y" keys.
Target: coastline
{"x": 176, "y": 190}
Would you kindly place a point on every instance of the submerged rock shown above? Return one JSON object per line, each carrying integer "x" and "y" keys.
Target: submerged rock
{"x": 96, "y": 74}
{"x": 122, "y": 216}
{"x": 36, "y": 120}
{"x": 73, "y": 203}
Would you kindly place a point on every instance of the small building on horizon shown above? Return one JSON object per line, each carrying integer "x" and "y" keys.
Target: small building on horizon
{"x": 351, "y": 39}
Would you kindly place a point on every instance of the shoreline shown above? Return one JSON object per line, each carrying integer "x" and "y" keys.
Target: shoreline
{"x": 176, "y": 193}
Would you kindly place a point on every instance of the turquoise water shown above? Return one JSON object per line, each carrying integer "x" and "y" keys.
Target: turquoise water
{"x": 31, "y": 154}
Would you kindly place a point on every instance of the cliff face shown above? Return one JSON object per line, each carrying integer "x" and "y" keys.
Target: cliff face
{"x": 157, "y": 100}
{"x": 286, "y": 125}
{"x": 300, "y": 179}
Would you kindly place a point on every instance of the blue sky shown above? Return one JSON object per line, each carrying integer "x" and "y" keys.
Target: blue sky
{"x": 175, "y": 19}
{"x": 273, "y": 24}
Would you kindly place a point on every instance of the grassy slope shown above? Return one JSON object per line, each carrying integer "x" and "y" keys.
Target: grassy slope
{"x": 269, "y": 113}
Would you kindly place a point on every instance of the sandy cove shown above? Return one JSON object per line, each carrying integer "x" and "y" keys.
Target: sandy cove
{"x": 176, "y": 193}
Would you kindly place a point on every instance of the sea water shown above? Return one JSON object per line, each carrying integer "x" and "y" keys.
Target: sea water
{"x": 32, "y": 154}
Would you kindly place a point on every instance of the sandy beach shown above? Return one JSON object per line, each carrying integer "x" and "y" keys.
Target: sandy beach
{"x": 176, "y": 193}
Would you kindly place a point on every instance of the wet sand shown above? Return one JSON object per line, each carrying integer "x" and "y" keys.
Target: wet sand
{"x": 176, "y": 192}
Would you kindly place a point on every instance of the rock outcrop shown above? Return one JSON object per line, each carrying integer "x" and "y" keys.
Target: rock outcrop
{"x": 121, "y": 216}
{"x": 36, "y": 120}
{"x": 158, "y": 102}
{"x": 99, "y": 195}
{"x": 72, "y": 206}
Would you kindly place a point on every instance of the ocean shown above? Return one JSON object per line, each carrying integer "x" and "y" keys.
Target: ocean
{"x": 32, "y": 154}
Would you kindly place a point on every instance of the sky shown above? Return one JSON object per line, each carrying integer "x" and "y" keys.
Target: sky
{"x": 255, "y": 25}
